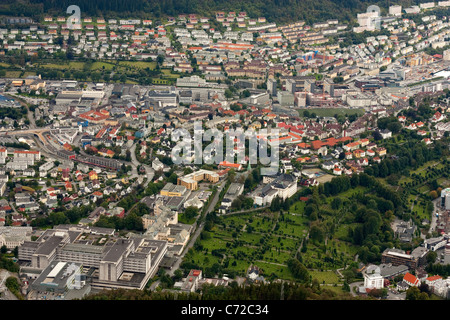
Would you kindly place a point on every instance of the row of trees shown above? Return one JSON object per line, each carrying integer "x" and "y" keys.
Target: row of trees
{"x": 62, "y": 216}
{"x": 271, "y": 291}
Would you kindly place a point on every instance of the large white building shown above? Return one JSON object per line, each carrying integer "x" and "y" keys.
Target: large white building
{"x": 283, "y": 186}
{"x": 373, "y": 278}
{"x": 25, "y": 155}
{"x": 124, "y": 263}
{"x": 3, "y": 155}
{"x": 445, "y": 199}
{"x": 395, "y": 10}
{"x": 12, "y": 237}
{"x": 192, "y": 81}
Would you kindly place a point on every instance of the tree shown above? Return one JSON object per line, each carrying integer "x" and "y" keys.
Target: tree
{"x": 133, "y": 222}
{"x": 178, "y": 275}
{"x": 377, "y": 136}
{"x": 298, "y": 270}
{"x": 413, "y": 293}
{"x": 316, "y": 233}
{"x": 431, "y": 256}
{"x": 3, "y": 249}
{"x": 190, "y": 212}
{"x": 228, "y": 94}
{"x": 95, "y": 76}
{"x": 433, "y": 194}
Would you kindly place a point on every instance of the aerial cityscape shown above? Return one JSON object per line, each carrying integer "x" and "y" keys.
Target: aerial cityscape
{"x": 161, "y": 154}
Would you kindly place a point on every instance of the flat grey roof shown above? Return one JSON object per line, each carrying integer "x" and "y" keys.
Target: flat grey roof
{"x": 83, "y": 248}
{"x": 48, "y": 246}
{"x": 117, "y": 250}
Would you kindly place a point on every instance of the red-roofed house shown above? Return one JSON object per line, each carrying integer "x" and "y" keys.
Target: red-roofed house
{"x": 93, "y": 175}
{"x": 432, "y": 279}
{"x": 411, "y": 280}
{"x": 68, "y": 186}
{"x": 225, "y": 164}
{"x": 437, "y": 117}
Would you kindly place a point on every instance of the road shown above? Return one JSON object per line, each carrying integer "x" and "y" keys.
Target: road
{"x": 6, "y": 295}
{"x": 193, "y": 238}
{"x": 213, "y": 203}
{"x": 186, "y": 249}
{"x": 176, "y": 266}
{"x": 355, "y": 285}
{"x": 437, "y": 209}
{"x": 149, "y": 171}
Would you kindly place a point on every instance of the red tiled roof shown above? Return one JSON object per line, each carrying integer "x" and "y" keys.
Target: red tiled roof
{"x": 410, "y": 278}
{"x": 434, "y": 278}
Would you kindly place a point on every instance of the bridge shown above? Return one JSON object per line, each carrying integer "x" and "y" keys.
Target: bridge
{"x": 37, "y": 132}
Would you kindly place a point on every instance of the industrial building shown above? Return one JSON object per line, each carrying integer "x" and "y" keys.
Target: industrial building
{"x": 108, "y": 261}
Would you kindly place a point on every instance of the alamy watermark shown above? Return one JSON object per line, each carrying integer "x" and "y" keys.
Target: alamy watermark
{"x": 374, "y": 22}
{"x": 188, "y": 149}
{"x": 74, "y": 21}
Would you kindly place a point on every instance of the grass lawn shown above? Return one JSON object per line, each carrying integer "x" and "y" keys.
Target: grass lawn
{"x": 424, "y": 189}
{"x": 251, "y": 238}
{"x": 326, "y": 277}
{"x": 167, "y": 73}
{"x": 330, "y": 112}
{"x": 342, "y": 230}
{"x": 71, "y": 65}
{"x": 12, "y": 74}
{"x": 283, "y": 243}
{"x": 138, "y": 64}
{"x": 261, "y": 224}
{"x": 350, "y": 192}
{"x": 337, "y": 289}
{"x": 182, "y": 219}
{"x": 214, "y": 243}
{"x": 292, "y": 229}
{"x": 281, "y": 272}
{"x": 276, "y": 256}
{"x": 445, "y": 182}
{"x": 99, "y": 66}
{"x": 298, "y": 207}
{"x": 420, "y": 211}
{"x": 29, "y": 73}
{"x": 239, "y": 266}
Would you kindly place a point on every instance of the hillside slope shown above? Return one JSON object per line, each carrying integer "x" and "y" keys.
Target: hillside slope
{"x": 274, "y": 10}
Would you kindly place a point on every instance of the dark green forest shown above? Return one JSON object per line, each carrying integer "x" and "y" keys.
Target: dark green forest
{"x": 274, "y": 10}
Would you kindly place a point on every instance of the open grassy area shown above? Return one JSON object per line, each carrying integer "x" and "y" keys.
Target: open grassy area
{"x": 298, "y": 207}
{"x": 72, "y": 65}
{"x": 445, "y": 182}
{"x": 29, "y": 73}
{"x": 328, "y": 257}
{"x": 167, "y": 73}
{"x": 337, "y": 289}
{"x": 422, "y": 170}
{"x": 280, "y": 272}
{"x": 269, "y": 240}
{"x": 183, "y": 219}
{"x": 330, "y": 112}
{"x": 138, "y": 64}
{"x": 325, "y": 277}
{"x": 12, "y": 74}
{"x": 102, "y": 66}
{"x": 343, "y": 230}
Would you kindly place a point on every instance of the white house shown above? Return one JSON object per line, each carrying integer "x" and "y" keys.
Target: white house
{"x": 373, "y": 278}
